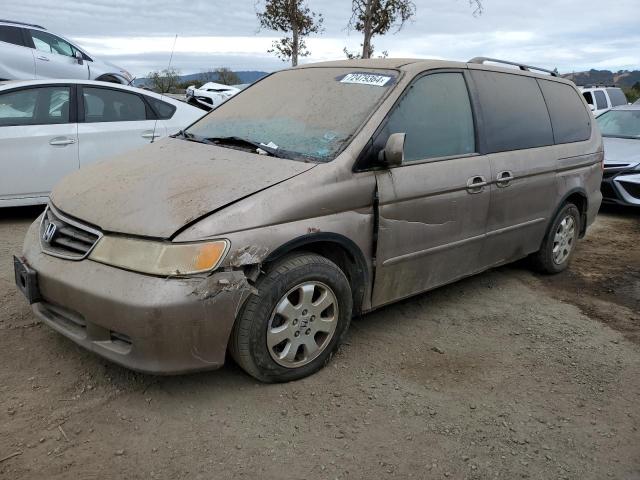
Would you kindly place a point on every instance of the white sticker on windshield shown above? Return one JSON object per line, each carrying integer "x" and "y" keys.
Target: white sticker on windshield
{"x": 366, "y": 79}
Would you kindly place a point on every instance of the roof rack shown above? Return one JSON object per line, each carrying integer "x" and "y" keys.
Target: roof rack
{"x": 22, "y": 23}
{"x": 521, "y": 66}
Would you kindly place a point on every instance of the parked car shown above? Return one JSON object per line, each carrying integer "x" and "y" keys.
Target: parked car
{"x": 210, "y": 95}
{"x": 621, "y": 135}
{"x": 602, "y": 99}
{"x": 50, "y": 128}
{"x": 29, "y": 52}
{"x": 317, "y": 193}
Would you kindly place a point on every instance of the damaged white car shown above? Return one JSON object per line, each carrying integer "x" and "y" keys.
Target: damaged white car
{"x": 210, "y": 95}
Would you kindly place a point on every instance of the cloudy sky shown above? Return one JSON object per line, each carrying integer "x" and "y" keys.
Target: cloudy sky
{"x": 139, "y": 34}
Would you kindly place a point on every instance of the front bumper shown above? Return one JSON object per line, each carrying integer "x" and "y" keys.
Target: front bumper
{"x": 149, "y": 324}
{"x": 621, "y": 186}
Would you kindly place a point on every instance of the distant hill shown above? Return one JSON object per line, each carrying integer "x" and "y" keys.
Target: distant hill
{"x": 248, "y": 76}
{"x": 622, "y": 78}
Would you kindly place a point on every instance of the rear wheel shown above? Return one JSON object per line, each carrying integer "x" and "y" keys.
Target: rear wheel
{"x": 295, "y": 322}
{"x": 560, "y": 242}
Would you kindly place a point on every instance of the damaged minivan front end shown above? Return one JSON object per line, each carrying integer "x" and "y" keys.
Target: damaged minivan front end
{"x": 149, "y": 259}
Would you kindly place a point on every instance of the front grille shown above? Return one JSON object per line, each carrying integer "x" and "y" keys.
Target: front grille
{"x": 617, "y": 165}
{"x": 612, "y": 171}
{"x": 632, "y": 189}
{"x": 66, "y": 238}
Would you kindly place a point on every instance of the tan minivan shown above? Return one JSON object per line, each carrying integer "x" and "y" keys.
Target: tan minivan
{"x": 316, "y": 194}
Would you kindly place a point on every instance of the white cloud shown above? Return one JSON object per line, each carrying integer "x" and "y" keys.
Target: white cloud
{"x": 139, "y": 35}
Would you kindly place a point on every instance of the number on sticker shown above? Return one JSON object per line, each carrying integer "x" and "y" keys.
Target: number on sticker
{"x": 366, "y": 79}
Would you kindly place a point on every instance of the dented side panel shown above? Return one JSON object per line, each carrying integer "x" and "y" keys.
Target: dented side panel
{"x": 431, "y": 227}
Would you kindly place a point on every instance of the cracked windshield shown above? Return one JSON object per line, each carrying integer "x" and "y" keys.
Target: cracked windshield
{"x": 309, "y": 113}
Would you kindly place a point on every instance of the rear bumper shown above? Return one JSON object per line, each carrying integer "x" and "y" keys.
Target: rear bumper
{"x": 149, "y": 324}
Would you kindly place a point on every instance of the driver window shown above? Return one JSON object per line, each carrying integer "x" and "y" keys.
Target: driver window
{"x": 45, "y": 42}
{"x": 435, "y": 113}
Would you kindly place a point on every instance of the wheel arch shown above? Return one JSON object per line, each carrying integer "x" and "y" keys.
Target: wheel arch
{"x": 577, "y": 196}
{"x": 340, "y": 250}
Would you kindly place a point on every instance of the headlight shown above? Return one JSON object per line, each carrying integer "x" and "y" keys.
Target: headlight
{"x": 159, "y": 258}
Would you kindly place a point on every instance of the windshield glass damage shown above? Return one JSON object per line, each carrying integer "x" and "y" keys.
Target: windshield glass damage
{"x": 309, "y": 113}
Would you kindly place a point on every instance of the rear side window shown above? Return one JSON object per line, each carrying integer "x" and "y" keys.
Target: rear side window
{"x": 435, "y": 114}
{"x": 164, "y": 110}
{"x": 106, "y": 105}
{"x": 588, "y": 97}
{"x": 601, "y": 99}
{"x": 570, "y": 120}
{"x": 617, "y": 97}
{"x": 11, "y": 35}
{"x": 35, "y": 106}
{"x": 514, "y": 112}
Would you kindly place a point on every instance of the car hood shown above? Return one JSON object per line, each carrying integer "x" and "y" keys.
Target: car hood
{"x": 157, "y": 190}
{"x": 621, "y": 150}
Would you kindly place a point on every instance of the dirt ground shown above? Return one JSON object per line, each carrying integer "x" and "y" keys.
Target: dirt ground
{"x": 504, "y": 375}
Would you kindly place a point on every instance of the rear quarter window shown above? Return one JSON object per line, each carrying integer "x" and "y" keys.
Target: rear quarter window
{"x": 617, "y": 97}
{"x": 570, "y": 119}
{"x": 513, "y": 110}
{"x": 164, "y": 110}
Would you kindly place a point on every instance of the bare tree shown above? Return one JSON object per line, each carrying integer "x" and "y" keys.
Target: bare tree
{"x": 377, "y": 17}
{"x": 164, "y": 81}
{"x": 292, "y": 17}
{"x": 226, "y": 76}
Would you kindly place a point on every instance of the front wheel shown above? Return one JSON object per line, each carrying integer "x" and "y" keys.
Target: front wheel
{"x": 560, "y": 242}
{"x": 295, "y": 322}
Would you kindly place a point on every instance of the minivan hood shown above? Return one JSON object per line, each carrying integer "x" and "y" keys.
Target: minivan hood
{"x": 621, "y": 150}
{"x": 160, "y": 188}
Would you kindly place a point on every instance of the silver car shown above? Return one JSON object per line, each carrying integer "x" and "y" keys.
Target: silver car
{"x": 621, "y": 135}
{"x": 30, "y": 52}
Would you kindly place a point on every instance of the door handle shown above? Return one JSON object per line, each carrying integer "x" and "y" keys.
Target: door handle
{"x": 151, "y": 135}
{"x": 504, "y": 179}
{"x": 44, "y": 59}
{"x": 476, "y": 184}
{"x": 61, "y": 141}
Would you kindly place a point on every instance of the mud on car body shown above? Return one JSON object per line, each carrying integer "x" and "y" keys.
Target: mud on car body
{"x": 316, "y": 194}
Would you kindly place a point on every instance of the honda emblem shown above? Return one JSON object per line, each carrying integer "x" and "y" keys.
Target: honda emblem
{"x": 49, "y": 232}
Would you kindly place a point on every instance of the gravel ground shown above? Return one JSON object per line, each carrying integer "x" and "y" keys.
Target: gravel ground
{"x": 504, "y": 375}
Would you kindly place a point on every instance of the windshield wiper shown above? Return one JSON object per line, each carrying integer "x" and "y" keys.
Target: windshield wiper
{"x": 272, "y": 151}
{"x": 191, "y": 137}
{"x": 243, "y": 142}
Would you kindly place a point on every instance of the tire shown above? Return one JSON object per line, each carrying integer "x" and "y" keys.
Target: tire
{"x": 304, "y": 293}
{"x": 548, "y": 259}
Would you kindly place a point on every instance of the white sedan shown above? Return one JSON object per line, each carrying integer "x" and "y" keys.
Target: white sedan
{"x": 50, "y": 128}
{"x": 210, "y": 95}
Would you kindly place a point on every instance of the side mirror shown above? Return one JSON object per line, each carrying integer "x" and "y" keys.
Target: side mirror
{"x": 79, "y": 57}
{"x": 393, "y": 153}
{"x": 592, "y": 107}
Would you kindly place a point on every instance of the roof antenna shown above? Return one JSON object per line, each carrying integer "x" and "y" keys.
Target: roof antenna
{"x": 153, "y": 137}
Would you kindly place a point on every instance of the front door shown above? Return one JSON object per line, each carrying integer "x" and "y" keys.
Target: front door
{"x": 55, "y": 57}
{"x": 39, "y": 140}
{"x": 433, "y": 208}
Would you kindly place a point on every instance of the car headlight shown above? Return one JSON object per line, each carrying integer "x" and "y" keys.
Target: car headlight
{"x": 159, "y": 258}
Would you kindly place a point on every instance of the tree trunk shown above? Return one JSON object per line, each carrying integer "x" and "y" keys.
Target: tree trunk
{"x": 294, "y": 47}
{"x": 366, "y": 44}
